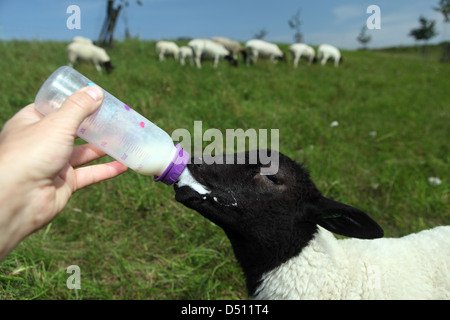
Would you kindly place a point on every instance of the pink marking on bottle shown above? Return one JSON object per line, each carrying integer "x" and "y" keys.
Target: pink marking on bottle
{"x": 126, "y": 107}
{"x": 82, "y": 130}
{"x": 124, "y": 156}
{"x": 142, "y": 124}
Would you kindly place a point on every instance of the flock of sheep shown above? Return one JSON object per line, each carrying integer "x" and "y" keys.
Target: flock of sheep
{"x": 203, "y": 49}
{"x": 219, "y": 48}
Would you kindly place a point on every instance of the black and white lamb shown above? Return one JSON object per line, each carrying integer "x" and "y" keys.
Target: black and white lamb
{"x": 167, "y": 48}
{"x": 208, "y": 49}
{"x": 257, "y": 48}
{"x": 280, "y": 227}
{"x": 327, "y": 52}
{"x": 83, "y": 49}
{"x": 233, "y": 46}
{"x": 302, "y": 50}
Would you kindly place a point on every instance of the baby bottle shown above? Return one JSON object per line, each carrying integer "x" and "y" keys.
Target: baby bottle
{"x": 117, "y": 129}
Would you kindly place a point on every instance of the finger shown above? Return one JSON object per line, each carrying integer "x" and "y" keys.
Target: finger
{"x": 86, "y": 176}
{"x": 84, "y": 153}
{"x": 78, "y": 107}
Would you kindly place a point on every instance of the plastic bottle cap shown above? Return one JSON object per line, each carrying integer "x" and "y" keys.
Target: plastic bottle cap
{"x": 175, "y": 168}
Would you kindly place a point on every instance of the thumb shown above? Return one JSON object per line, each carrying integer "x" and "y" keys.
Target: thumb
{"x": 79, "y": 106}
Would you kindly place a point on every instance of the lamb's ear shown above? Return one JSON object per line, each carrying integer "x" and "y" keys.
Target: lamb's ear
{"x": 343, "y": 219}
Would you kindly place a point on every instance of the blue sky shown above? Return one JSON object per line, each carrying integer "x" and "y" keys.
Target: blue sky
{"x": 336, "y": 22}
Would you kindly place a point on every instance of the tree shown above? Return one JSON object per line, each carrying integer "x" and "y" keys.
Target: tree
{"x": 260, "y": 34}
{"x": 364, "y": 38}
{"x": 444, "y": 8}
{"x": 295, "y": 23}
{"x": 106, "y": 37}
{"x": 425, "y": 32}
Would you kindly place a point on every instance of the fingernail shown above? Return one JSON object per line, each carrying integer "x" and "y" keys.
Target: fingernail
{"x": 95, "y": 92}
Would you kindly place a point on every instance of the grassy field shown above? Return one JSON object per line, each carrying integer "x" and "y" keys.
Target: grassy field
{"x": 132, "y": 240}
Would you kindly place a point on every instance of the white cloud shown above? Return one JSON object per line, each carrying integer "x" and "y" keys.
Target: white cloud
{"x": 396, "y": 23}
{"x": 395, "y": 27}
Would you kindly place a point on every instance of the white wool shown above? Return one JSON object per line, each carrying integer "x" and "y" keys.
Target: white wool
{"x": 326, "y": 51}
{"x": 167, "y": 48}
{"x": 207, "y": 49}
{"x": 259, "y": 48}
{"x": 88, "y": 52}
{"x": 416, "y": 266}
{"x": 231, "y": 45}
{"x": 82, "y": 39}
{"x": 299, "y": 50}
{"x": 185, "y": 52}
{"x": 186, "y": 179}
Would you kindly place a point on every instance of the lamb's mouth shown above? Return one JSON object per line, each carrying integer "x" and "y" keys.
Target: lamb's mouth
{"x": 186, "y": 195}
{"x": 186, "y": 179}
{"x": 191, "y": 198}
{"x": 190, "y": 192}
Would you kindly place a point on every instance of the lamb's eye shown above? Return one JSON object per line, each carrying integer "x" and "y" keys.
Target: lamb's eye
{"x": 273, "y": 178}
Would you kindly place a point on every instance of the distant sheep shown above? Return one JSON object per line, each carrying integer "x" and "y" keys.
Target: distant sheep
{"x": 233, "y": 46}
{"x": 280, "y": 227}
{"x": 208, "y": 49}
{"x": 326, "y": 52}
{"x": 166, "y": 48}
{"x": 262, "y": 49}
{"x": 82, "y": 40}
{"x": 83, "y": 50}
{"x": 300, "y": 50}
{"x": 185, "y": 53}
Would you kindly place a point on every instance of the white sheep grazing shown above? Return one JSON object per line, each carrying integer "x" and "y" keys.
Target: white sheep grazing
{"x": 167, "y": 48}
{"x": 233, "y": 46}
{"x": 81, "y": 50}
{"x": 262, "y": 49}
{"x": 300, "y": 50}
{"x": 280, "y": 227}
{"x": 208, "y": 49}
{"x": 326, "y": 51}
{"x": 82, "y": 40}
{"x": 185, "y": 53}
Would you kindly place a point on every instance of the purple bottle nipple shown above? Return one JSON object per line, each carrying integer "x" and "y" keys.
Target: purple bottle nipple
{"x": 175, "y": 168}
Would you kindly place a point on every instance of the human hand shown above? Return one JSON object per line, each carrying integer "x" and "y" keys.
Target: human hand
{"x": 38, "y": 163}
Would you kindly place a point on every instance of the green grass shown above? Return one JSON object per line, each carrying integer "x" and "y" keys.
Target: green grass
{"x": 132, "y": 240}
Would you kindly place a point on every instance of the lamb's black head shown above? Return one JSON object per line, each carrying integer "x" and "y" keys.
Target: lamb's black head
{"x": 231, "y": 60}
{"x": 241, "y": 194}
{"x": 246, "y": 199}
{"x": 108, "y": 66}
{"x": 244, "y": 55}
{"x": 282, "y": 57}
{"x": 269, "y": 212}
